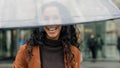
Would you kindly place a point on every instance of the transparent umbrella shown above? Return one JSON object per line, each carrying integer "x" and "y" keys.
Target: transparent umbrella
{"x": 34, "y": 13}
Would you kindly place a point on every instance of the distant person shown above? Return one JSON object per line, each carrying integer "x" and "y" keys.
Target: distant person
{"x": 92, "y": 45}
{"x": 118, "y": 43}
{"x": 100, "y": 43}
{"x": 21, "y": 40}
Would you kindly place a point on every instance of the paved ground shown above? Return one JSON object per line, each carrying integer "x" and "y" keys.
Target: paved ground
{"x": 84, "y": 65}
{"x": 100, "y": 65}
{"x": 6, "y": 65}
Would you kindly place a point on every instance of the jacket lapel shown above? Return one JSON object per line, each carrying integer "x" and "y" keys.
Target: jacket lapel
{"x": 35, "y": 58}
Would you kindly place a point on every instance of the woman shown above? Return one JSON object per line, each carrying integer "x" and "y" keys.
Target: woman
{"x": 49, "y": 47}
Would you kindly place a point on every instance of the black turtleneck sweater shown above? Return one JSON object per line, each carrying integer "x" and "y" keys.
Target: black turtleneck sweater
{"x": 52, "y": 54}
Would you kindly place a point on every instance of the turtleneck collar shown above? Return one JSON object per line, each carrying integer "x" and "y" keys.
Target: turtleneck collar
{"x": 52, "y": 43}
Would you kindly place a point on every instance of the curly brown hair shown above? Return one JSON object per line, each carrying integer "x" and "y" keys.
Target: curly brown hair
{"x": 67, "y": 36}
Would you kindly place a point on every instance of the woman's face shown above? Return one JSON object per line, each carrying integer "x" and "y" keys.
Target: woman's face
{"x": 53, "y": 32}
{"x": 51, "y": 15}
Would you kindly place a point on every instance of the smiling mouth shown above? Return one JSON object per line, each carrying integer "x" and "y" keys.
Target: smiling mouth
{"x": 52, "y": 28}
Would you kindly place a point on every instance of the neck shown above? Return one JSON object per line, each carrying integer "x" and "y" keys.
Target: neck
{"x": 56, "y": 38}
{"x": 51, "y": 42}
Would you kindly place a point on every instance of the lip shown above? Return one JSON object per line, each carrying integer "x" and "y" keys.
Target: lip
{"x": 52, "y": 29}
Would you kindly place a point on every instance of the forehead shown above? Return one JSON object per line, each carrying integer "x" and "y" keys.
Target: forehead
{"x": 52, "y": 9}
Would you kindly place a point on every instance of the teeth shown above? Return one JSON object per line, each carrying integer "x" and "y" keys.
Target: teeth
{"x": 51, "y": 29}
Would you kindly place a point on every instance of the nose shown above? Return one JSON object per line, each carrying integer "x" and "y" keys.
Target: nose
{"x": 51, "y": 21}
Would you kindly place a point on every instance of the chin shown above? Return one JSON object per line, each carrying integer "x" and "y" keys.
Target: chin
{"x": 53, "y": 37}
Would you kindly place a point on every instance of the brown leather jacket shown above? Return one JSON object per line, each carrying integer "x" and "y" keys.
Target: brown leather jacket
{"x": 21, "y": 58}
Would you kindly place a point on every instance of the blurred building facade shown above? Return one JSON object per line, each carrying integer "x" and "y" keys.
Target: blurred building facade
{"x": 10, "y": 39}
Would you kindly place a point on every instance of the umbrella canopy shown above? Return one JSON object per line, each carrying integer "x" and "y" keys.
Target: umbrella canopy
{"x": 31, "y": 13}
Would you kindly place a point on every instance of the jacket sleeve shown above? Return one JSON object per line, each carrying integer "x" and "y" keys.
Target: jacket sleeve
{"x": 20, "y": 60}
